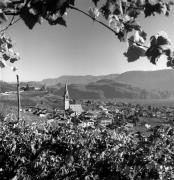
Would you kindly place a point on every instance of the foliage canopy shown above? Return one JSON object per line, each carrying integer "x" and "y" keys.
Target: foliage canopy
{"x": 119, "y": 16}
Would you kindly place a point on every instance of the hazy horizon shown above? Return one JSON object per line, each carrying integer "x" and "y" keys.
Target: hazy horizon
{"x": 77, "y": 75}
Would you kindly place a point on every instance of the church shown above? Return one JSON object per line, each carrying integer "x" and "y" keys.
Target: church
{"x": 76, "y": 108}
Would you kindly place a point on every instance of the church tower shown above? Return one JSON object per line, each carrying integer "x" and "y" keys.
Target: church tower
{"x": 66, "y": 98}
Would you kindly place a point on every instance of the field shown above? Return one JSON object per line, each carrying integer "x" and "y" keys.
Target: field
{"x": 32, "y": 98}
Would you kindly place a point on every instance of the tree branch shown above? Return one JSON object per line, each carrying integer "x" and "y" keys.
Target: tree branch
{"x": 10, "y": 12}
{"x": 94, "y": 19}
{"x": 12, "y": 22}
{"x": 103, "y": 24}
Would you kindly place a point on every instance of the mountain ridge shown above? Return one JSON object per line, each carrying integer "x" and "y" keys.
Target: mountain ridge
{"x": 159, "y": 80}
{"x": 131, "y": 84}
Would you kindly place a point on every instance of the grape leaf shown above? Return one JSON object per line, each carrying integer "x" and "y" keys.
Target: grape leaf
{"x": 6, "y": 57}
{"x": 59, "y": 21}
{"x": 105, "y": 11}
{"x": 29, "y": 19}
{"x": 4, "y": 3}
{"x": 3, "y": 17}
{"x": 95, "y": 1}
{"x": 159, "y": 44}
{"x": 131, "y": 25}
{"x": 55, "y": 5}
{"x": 72, "y": 2}
{"x": 133, "y": 12}
{"x": 13, "y": 59}
{"x": 134, "y": 53}
{"x": 94, "y": 12}
{"x": 2, "y": 64}
{"x": 160, "y": 7}
{"x": 153, "y": 54}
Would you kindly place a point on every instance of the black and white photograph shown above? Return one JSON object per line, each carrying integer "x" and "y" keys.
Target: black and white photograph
{"x": 86, "y": 90}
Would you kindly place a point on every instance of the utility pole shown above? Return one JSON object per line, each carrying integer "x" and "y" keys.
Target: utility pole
{"x": 18, "y": 96}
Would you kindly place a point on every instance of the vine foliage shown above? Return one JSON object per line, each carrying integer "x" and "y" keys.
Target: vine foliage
{"x": 118, "y": 16}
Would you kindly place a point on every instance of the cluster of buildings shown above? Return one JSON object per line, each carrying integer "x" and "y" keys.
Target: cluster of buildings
{"x": 105, "y": 114}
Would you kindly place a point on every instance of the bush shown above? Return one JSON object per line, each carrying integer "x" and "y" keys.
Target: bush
{"x": 69, "y": 152}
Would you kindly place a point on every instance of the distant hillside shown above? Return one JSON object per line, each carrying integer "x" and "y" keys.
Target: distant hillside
{"x": 161, "y": 80}
{"x": 103, "y": 89}
{"x": 31, "y": 83}
{"x": 77, "y": 79}
{"x": 6, "y": 87}
{"x": 132, "y": 84}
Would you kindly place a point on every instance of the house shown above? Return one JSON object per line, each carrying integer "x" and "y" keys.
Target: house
{"x": 86, "y": 124}
{"x": 129, "y": 126}
{"x": 104, "y": 121}
{"x": 77, "y": 108}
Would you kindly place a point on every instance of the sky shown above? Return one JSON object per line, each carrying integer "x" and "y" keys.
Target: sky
{"x": 83, "y": 48}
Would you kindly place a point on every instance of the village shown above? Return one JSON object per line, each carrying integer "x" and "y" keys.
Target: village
{"x": 97, "y": 113}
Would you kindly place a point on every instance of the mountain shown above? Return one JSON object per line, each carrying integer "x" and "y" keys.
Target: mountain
{"x": 4, "y": 86}
{"x": 77, "y": 79}
{"x": 132, "y": 84}
{"x": 103, "y": 89}
{"x": 159, "y": 80}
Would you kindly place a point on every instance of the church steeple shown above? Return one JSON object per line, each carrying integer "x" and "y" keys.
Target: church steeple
{"x": 66, "y": 98}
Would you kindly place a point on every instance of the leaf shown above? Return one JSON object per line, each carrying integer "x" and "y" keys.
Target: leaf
{"x": 115, "y": 23}
{"x": 29, "y": 19}
{"x": 133, "y": 12}
{"x": 105, "y": 11}
{"x": 3, "y": 17}
{"x": 2, "y": 64}
{"x": 95, "y": 1}
{"x": 72, "y": 2}
{"x": 56, "y": 5}
{"x": 140, "y": 3}
{"x": 154, "y": 54}
{"x": 94, "y": 12}
{"x": 122, "y": 35}
{"x": 132, "y": 25}
{"x": 134, "y": 53}
{"x": 4, "y": 3}
{"x": 13, "y": 59}
{"x": 59, "y": 21}
{"x": 159, "y": 44}
{"x": 139, "y": 38}
{"x": 9, "y": 43}
{"x": 37, "y": 7}
{"x": 6, "y": 57}
{"x": 160, "y": 7}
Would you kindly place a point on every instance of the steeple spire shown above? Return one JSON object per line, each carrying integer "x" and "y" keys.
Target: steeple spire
{"x": 66, "y": 98}
{"x": 66, "y": 95}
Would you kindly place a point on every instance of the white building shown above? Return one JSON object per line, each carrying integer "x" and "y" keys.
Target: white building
{"x": 66, "y": 98}
{"x": 76, "y": 108}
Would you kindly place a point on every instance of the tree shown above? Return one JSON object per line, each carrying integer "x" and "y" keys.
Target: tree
{"x": 118, "y": 16}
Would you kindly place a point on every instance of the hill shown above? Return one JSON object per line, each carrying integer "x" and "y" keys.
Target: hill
{"x": 103, "y": 89}
{"x": 4, "y": 86}
{"x": 77, "y": 79}
{"x": 41, "y": 99}
{"x": 130, "y": 85}
{"x": 160, "y": 80}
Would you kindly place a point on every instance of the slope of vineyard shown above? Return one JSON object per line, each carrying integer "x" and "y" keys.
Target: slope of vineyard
{"x": 43, "y": 151}
{"x": 32, "y": 98}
